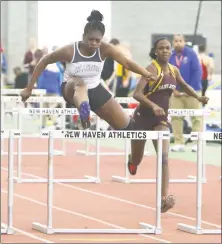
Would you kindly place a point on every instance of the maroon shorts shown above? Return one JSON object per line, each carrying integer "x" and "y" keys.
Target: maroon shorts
{"x": 146, "y": 120}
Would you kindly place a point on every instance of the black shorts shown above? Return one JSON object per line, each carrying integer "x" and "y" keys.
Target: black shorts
{"x": 98, "y": 96}
{"x": 146, "y": 120}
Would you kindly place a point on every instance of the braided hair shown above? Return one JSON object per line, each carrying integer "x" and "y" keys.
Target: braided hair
{"x": 95, "y": 23}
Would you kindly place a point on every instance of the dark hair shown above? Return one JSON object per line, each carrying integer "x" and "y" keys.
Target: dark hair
{"x": 114, "y": 41}
{"x": 153, "y": 49}
{"x": 202, "y": 48}
{"x": 95, "y": 22}
{"x": 17, "y": 68}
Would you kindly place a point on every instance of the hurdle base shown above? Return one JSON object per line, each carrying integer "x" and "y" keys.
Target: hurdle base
{"x": 194, "y": 230}
{"x": 56, "y": 153}
{"x": 6, "y": 230}
{"x": 88, "y": 179}
{"x": 204, "y": 180}
{"x": 148, "y": 229}
{"x": 85, "y": 153}
{"x": 143, "y": 225}
{"x": 142, "y": 181}
{"x": 93, "y": 179}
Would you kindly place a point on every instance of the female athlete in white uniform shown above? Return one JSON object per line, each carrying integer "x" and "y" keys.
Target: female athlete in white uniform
{"x": 84, "y": 64}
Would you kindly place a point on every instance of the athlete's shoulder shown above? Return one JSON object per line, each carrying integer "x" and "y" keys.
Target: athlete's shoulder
{"x": 173, "y": 67}
{"x": 151, "y": 67}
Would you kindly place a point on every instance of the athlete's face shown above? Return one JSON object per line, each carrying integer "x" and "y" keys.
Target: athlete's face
{"x": 178, "y": 43}
{"x": 93, "y": 39}
{"x": 163, "y": 50}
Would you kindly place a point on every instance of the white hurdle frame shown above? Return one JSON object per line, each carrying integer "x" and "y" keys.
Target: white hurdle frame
{"x": 197, "y": 229}
{"x": 144, "y": 228}
{"x": 86, "y": 178}
{"x": 126, "y": 179}
{"x": 191, "y": 179}
{"x": 8, "y": 228}
{"x": 19, "y": 153}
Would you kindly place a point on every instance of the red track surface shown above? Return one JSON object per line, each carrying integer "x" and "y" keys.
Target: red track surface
{"x": 105, "y": 205}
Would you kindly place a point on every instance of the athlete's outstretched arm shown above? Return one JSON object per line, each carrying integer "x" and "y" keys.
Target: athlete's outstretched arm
{"x": 188, "y": 89}
{"x": 112, "y": 52}
{"x": 59, "y": 55}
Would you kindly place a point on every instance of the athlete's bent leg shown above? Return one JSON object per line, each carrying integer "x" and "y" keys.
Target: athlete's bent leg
{"x": 137, "y": 146}
{"x": 76, "y": 92}
{"x": 114, "y": 115}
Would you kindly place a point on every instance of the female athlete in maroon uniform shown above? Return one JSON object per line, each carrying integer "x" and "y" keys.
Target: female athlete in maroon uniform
{"x": 152, "y": 112}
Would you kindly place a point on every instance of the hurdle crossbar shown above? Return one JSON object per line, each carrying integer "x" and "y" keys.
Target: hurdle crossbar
{"x": 18, "y": 91}
{"x": 197, "y": 229}
{"x": 144, "y": 228}
{"x": 8, "y": 228}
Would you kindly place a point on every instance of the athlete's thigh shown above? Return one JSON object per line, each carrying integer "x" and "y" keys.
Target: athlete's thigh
{"x": 68, "y": 92}
{"x": 137, "y": 146}
{"x": 113, "y": 114}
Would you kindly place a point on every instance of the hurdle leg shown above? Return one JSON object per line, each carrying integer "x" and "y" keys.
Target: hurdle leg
{"x": 18, "y": 178}
{"x": 2, "y": 125}
{"x": 97, "y": 178}
{"x": 158, "y": 229}
{"x": 124, "y": 179}
{"x": 8, "y": 229}
{"x": 204, "y": 179}
{"x": 197, "y": 229}
{"x": 63, "y": 125}
{"x": 48, "y": 229}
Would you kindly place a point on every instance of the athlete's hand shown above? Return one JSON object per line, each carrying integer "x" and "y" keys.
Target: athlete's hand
{"x": 158, "y": 111}
{"x": 203, "y": 99}
{"x": 25, "y": 94}
{"x": 151, "y": 77}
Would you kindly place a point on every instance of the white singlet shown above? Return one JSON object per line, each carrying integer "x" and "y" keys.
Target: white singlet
{"x": 88, "y": 68}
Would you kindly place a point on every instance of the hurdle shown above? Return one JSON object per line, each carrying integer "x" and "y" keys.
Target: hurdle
{"x": 190, "y": 179}
{"x": 144, "y": 228}
{"x": 8, "y": 92}
{"x": 197, "y": 229}
{"x": 61, "y": 111}
{"x": 17, "y": 111}
{"x": 8, "y": 228}
{"x": 87, "y": 152}
{"x": 126, "y": 179}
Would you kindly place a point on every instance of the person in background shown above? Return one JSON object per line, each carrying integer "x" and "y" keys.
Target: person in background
{"x": 108, "y": 74}
{"x": 50, "y": 80}
{"x": 123, "y": 75}
{"x": 21, "y": 78}
{"x": 186, "y": 60}
{"x": 207, "y": 65}
{"x": 29, "y": 59}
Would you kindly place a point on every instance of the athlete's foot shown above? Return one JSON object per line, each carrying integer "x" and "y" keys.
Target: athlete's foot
{"x": 131, "y": 167}
{"x": 167, "y": 203}
{"x": 84, "y": 113}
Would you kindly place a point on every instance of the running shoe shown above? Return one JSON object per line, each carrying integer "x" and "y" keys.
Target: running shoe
{"x": 131, "y": 167}
{"x": 84, "y": 113}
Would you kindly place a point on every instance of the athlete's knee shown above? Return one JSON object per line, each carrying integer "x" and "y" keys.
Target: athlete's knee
{"x": 165, "y": 158}
{"x": 130, "y": 125}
